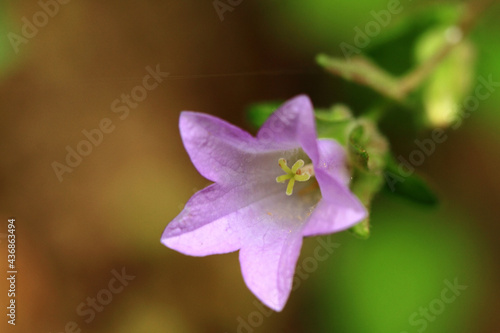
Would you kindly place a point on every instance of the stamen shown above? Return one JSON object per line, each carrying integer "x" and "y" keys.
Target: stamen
{"x": 302, "y": 178}
{"x": 289, "y": 187}
{"x": 281, "y": 179}
{"x": 298, "y": 172}
{"x": 299, "y": 164}
{"x": 282, "y": 163}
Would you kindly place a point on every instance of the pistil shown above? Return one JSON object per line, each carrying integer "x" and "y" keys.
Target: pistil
{"x": 299, "y": 172}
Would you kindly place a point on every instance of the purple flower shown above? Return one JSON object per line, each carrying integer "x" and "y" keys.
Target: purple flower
{"x": 258, "y": 204}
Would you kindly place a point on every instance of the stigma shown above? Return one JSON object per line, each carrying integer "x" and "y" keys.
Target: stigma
{"x": 299, "y": 172}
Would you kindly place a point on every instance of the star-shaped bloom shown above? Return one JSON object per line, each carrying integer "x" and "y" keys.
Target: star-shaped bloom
{"x": 258, "y": 204}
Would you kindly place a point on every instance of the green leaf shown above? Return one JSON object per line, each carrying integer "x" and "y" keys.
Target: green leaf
{"x": 412, "y": 187}
{"x": 258, "y": 113}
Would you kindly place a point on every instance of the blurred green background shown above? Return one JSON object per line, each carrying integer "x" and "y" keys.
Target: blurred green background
{"x": 110, "y": 211}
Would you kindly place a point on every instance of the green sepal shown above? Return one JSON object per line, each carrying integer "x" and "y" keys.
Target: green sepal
{"x": 357, "y": 151}
{"x": 362, "y": 229}
{"x": 367, "y": 151}
{"x": 365, "y": 185}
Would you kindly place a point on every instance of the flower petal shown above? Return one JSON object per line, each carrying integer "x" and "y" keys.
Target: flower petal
{"x": 338, "y": 210}
{"x": 218, "y": 150}
{"x": 192, "y": 233}
{"x": 216, "y": 237}
{"x": 291, "y": 126}
{"x": 270, "y": 246}
{"x": 268, "y": 265}
{"x": 204, "y": 225}
{"x": 332, "y": 158}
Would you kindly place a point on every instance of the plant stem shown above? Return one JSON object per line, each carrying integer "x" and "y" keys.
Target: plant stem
{"x": 412, "y": 80}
